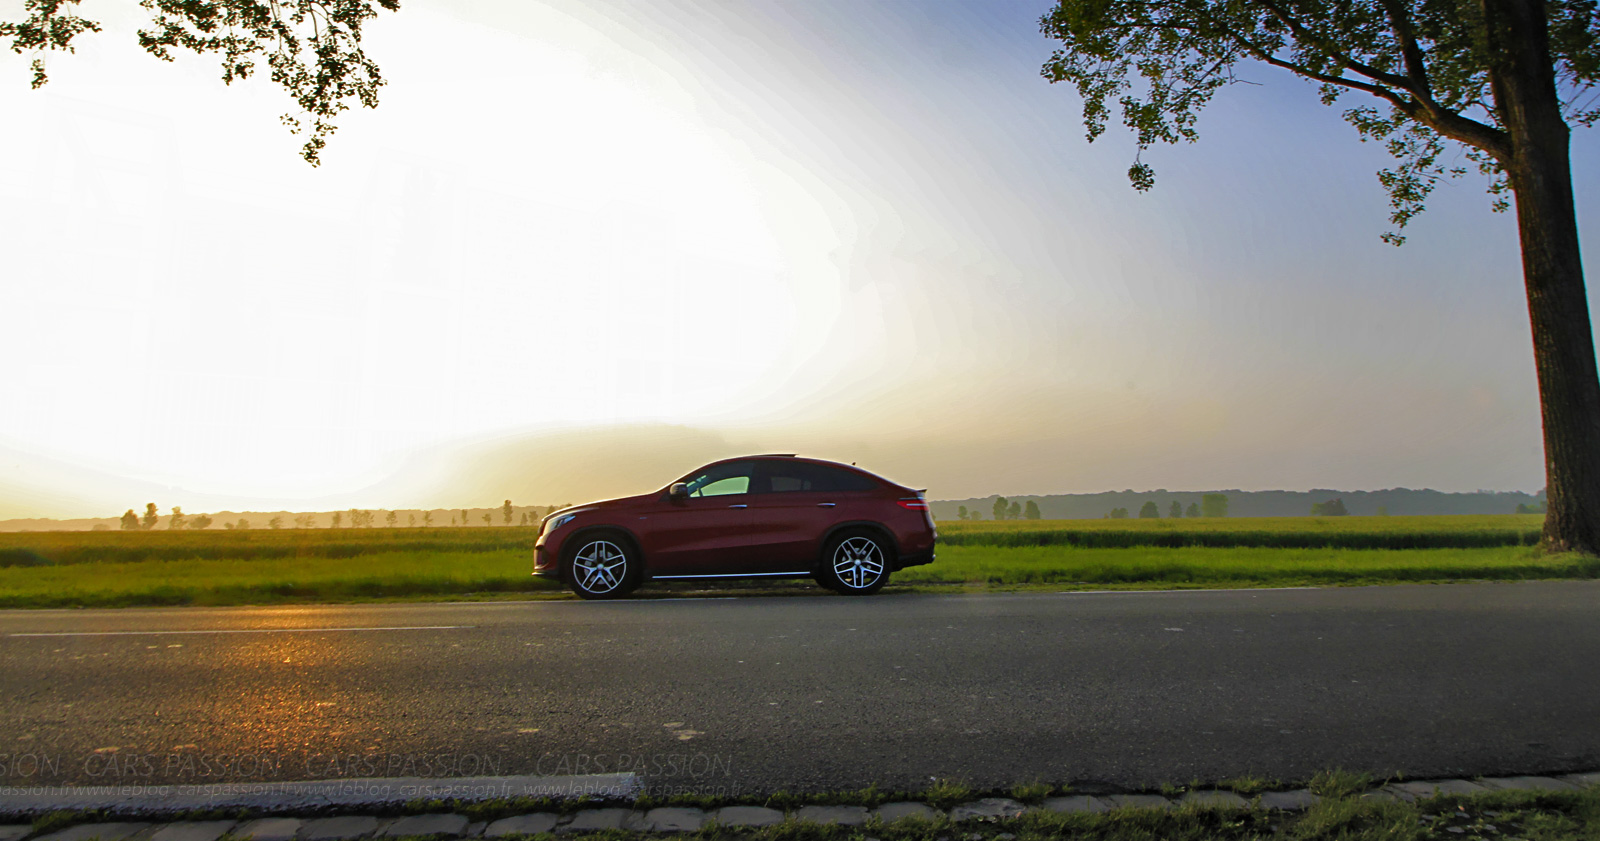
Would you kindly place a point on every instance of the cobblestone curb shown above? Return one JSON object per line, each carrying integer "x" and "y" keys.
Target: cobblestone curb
{"x": 669, "y": 819}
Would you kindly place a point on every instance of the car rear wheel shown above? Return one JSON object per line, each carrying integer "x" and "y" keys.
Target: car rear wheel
{"x": 856, "y": 563}
{"x": 603, "y": 567}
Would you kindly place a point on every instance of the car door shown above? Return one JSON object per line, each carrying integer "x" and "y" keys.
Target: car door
{"x": 793, "y": 507}
{"x": 706, "y": 532}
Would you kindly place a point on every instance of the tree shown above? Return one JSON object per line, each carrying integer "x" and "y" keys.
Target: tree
{"x": 1031, "y": 512}
{"x": 505, "y": 511}
{"x": 427, "y": 518}
{"x": 242, "y": 524}
{"x": 201, "y": 522}
{"x": 1014, "y": 511}
{"x": 961, "y": 512}
{"x": 1149, "y": 511}
{"x": 176, "y": 520}
{"x": 413, "y": 520}
{"x": 391, "y": 518}
{"x": 1214, "y": 505}
{"x": 488, "y": 519}
{"x": 275, "y": 523}
{"x": 1192, "y": 511}
{"x": 1176, "y": 510}
{"x": 338, "y": 519}
{"x": 464, "y": 520}
{"x": 1000, "y": 508}
{"x": 1383, "y": 511}
{"x": 312, "y": 47}
{"x": 1331, "y": 508}
{"x": 1503, "y": 81}
{"x": 130, "y": 521}
{"x": 304, "y": 521}
{"x": 1119, "y": 514}
{"x": 150, "y": 517}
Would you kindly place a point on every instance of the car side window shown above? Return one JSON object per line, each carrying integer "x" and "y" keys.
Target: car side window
{"x": 721, "y": 480}
{"x": 723, "y": 487}
{"x": 801, "y": 477}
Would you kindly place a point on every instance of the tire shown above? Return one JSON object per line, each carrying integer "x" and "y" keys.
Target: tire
{"x": 856, "y": 563}
{"x": 603, "y": 566}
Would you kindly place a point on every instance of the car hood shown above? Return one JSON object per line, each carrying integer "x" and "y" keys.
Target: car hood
{"x": 604, "y": 503}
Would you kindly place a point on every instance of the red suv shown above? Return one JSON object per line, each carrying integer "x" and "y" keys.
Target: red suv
{"x": 770, "y": 516}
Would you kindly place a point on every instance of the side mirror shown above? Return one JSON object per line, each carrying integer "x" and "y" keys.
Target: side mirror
{"x": 678, "y": 490}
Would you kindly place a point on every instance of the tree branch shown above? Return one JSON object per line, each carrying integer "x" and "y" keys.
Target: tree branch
{"x": 1416, "y": 67}
{"x": 1341, "y": 56}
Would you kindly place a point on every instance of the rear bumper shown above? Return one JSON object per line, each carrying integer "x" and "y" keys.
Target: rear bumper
{"x": 916, "y": 560}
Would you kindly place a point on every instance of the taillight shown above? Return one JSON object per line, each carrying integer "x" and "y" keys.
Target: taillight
{"x": 915, "y": 503}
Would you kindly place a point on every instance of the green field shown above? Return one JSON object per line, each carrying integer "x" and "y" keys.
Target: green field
{"x": 65, "y": 569}
{"x": 1454, "y": 532}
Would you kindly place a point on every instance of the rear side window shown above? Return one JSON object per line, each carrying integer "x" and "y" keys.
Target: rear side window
{"x": 803, "y": 477}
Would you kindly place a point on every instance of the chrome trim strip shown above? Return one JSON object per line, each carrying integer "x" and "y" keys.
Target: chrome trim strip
{"x": 732, "y": 575}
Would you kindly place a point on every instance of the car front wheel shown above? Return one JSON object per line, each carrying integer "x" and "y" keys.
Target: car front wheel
{"x": 603, "y": 567}
{"x": 856, "y": 564}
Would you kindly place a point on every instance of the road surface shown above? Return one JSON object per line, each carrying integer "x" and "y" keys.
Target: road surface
{"x": 748, "y": 695}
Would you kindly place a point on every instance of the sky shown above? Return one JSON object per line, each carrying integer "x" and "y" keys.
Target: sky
{"x": 582, "y": 247}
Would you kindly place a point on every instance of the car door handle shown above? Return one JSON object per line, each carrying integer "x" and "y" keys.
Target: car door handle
{"x": 740, "y": 505}
{"x": 824, "y": 505}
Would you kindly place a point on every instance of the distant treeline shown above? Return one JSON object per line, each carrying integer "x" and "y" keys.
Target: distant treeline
{"x": 1397, "y": 502}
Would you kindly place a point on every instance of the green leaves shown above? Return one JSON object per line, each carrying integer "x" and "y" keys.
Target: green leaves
{"x": 312, "y": 48}
{"x": 1425, "y": 63}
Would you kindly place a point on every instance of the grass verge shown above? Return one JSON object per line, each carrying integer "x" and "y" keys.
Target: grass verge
{"x": 416, "y": 575}
{"x": 1343, "y": 814}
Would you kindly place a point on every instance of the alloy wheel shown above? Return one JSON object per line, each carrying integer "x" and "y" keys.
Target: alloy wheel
{"x": 600, "y": 567}
{"x": 858, "y": 562}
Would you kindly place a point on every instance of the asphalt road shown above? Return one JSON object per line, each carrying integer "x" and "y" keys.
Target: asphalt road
{"x": 748, "y": 695}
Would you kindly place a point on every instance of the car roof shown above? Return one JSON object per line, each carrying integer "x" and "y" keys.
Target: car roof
{"x": 793, "y": 457}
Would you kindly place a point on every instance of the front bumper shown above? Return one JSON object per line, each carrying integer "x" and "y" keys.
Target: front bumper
{"x": 544, "y": 564}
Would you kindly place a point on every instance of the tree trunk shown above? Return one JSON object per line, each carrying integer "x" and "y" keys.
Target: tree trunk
{"x": 1523, "y": 80}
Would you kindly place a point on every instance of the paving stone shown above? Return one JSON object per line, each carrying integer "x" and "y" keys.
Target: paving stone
{"x": 748, "y": 816}
{"x": 1592, "y": 779}
{"x": 192, "y": 831}
{"x": 1216, "y": 798}
{"x": 988, "y": 809}
{"x": 1138, "y": 801}
{"x": 438, "y": 824}
{"x": 891, "y": 812}
{"x": 268, "y": 829}
{"x": 1381, "y": 794}
{"x": 522, "y": 825}
{"x": 14, "y": 831}
{"x": 595, "y": 820}
{"x": 834, "y": 815}
{"x": 1527, "y": 784}
{"x": 1423, "y": 789}
{"x": 474, "y": 829}
{"x": 1074, "y": 803}
{"x": 327, "y": 829}
{"x": 102, "y": 831}
{"x": 1289, "y": 801}
{"x": 673, "y": 819}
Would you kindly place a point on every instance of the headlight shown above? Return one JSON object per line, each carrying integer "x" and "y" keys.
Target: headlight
{"x": 558, "y": 522}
